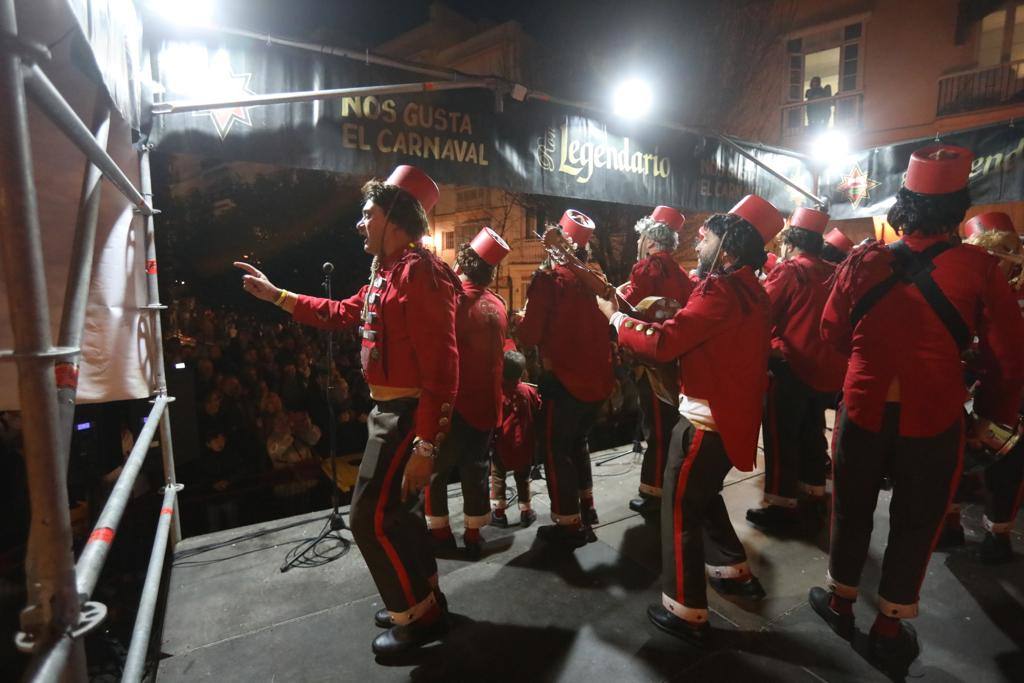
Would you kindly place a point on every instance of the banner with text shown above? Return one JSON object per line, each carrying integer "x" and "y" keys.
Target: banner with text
{"x": 866, "y": 184}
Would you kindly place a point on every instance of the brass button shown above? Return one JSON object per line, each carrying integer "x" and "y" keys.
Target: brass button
{"x": 640, "y": 327}
{"x": 443, "y": 422}
{"x": 375, "y": 354}
{"x": 446, "y": 407}
{"x": 650, "y": 331}
{"x": 439, "y": 438}
{"x": 628, "y": 324}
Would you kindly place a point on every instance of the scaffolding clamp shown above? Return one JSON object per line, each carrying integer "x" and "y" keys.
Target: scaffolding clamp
{"x": 29, "y": 51}
{"x": 91, "y": 615}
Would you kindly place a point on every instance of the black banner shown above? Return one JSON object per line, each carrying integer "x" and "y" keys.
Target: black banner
{"x": 866, "y": 184}
{"x": 457, "y": 136}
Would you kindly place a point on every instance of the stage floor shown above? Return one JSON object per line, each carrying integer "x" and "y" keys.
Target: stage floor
{"x": 525, "y": 613}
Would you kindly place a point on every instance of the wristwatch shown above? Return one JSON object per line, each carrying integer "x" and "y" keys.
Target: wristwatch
{"x": 423, "y": 448}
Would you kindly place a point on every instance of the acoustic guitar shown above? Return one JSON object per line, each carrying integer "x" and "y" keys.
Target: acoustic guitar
{"x": 664, "y": 377}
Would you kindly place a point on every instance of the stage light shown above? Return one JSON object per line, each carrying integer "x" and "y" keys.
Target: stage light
{"x": 83, "y": 426}
{"x": 185, "y": 12}
{"x": 179, "y": 366}
{"x": 632, "y": 99}
{"x": 831, "y": 147}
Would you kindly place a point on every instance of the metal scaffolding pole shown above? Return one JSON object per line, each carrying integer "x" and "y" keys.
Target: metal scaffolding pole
{"x": 311, "y": 95}
{"x": 53, "y": 605}
{"x": 135, "y": 663}
{"x": 156, "y": 336}
{"x": 49, "y": 99}
{"x": 90, "y": 562}
{"x": 76, "y": 292}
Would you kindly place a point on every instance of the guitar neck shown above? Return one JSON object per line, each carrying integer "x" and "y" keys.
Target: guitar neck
{"x": 624, "y": 306}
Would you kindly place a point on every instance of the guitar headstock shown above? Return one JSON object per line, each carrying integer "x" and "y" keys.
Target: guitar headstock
{"x": 558, "y": 246}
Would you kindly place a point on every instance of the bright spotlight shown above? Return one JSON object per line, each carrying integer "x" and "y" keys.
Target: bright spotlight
{"x": 830, "y": 147}
{"x": 186, "y": 12}
{"x": 632, "y": 99}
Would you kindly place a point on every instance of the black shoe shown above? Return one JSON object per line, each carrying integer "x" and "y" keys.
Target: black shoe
{"x": 749, "y": 588}
{"x": 473, "y": 550}
{"x": 500, "y": 521}
{"x": 894, "y": 655}
{"x": 773, "y": 518}
{"x": 444, "y": 548}
{"x": 536, "y": 473}
{"x": 383, "y": 618}
{"x": 588, "y": 531}
{"x": 995, "y": 549}
{"x": 646, "y": 505}
{"x": 842, "y": 624}
{"x": 562, "y": 535}
{"x": 589, "y": 516}
{"x": 680, "y": 628}
{"x": 951, "y": 537}
{"x": 400, "y": 639}
{"x": 527, "y": 517}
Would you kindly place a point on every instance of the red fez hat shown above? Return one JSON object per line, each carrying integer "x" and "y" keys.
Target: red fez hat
{"x": 993, "y": 220}
{"x": 809, "y": 219}
{"x": 938, "y": 169}
{"x": 760, "y": 213}
{"x": 838, "y": 240}
{"x": 417, "y": 183}
{"x": 669, "y": 216}
{"x": 770, "y": 262}
{"x": 578, "y": 226}
{"x": 489, "y": 246}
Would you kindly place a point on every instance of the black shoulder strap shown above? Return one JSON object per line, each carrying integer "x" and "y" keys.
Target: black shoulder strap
{"x": 915, "y": 268}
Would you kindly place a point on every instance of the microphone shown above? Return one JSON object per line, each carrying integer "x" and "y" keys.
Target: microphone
{"x": 327, "y": 268}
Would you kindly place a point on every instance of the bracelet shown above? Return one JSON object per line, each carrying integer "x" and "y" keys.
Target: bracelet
{"x": 281, "y": 297}
{"x": 420, "y": 444}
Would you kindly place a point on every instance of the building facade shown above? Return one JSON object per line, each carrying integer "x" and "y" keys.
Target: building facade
{"x": 883, "y": 72}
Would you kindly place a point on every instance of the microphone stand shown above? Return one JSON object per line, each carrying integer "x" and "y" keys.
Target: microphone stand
{"x": 307, "y": 553}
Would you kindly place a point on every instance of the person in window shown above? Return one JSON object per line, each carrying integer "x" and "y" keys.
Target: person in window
{"x": 818, "y": 113}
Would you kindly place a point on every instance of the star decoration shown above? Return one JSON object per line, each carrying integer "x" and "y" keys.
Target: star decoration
{"x": 231, "y": 86}
{"x": 857, "y": 185}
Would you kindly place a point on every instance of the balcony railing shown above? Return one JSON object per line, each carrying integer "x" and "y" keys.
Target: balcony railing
{"x": 845, "y": 110}
{"x": 995, "y": 86}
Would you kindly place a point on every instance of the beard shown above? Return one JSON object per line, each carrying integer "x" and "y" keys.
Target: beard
{"x": 704, "y": 265}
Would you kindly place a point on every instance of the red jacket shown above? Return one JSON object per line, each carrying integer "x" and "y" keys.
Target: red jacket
{"x": 657, "y": 275}
{"x": 480, "y": 324}
{"x": 902, "y": 338}
{"x": 798, "y": 290}
{"x": 563, "y": 319}
{"x": 408, "y": 335}
{"x": 516, "y": 439}
{"x": 721, "y": 339}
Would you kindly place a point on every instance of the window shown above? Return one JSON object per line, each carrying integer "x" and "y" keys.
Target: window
{"x": 832, "y": 55}
{"x": 1001, "y": 36}
{"x": 990, "y": 41}
{"x": 448, "y": 240}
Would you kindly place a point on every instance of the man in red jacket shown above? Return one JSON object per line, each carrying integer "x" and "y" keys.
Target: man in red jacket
{"x": 515, "y": 441}
{"x": 563, "y": 320}
{"x": 903, "y": 313}
{"x": 721, "y": 340}
{"x": 655, "y": 274}
{"x": 837, "y": 246}
{"x": 411, "y": 363}
{"x": 480, "y": 325}
{"x": 806, "y": 373}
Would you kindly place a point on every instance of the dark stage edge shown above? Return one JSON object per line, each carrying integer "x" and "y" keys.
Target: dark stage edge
{"x": 526, "y": 614}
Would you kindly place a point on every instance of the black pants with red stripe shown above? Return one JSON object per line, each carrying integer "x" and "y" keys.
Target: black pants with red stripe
{"x": 924, "y": 473}
{"x": 465, "y": 449}
{"x": 564, "y": 425}
{"x": 658, "y": 419}
{"x": 391, "y": 534}
{"x": 1004, "y": 484}
{"x": 695, "y": 529}
{"x": 795, "y": 448}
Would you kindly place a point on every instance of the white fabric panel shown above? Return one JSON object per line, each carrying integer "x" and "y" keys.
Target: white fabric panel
{"x": 114, "y": 364}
